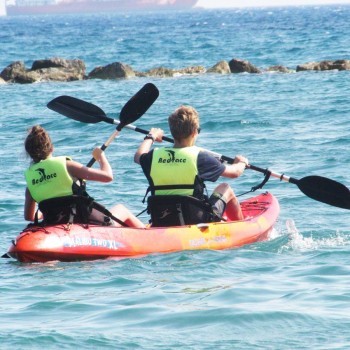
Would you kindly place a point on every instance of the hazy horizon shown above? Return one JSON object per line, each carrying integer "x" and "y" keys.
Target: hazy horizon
{"x": 258, "y": 3}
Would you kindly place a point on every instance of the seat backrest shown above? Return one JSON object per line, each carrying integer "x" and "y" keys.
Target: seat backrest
{"x": 60, "y": 210}
{"x": 174, "y": 210}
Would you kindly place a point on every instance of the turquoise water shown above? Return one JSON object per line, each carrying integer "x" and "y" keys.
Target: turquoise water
{"x": 291, "y": 292}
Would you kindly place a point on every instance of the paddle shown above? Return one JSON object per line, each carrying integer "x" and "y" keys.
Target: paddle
{"x": 86, "y": 112}
{"x": 316, "y": 187}
{"x": 82, "y": 111}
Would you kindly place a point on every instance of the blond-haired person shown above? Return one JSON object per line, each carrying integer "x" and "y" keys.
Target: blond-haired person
{"x": 186, "y": 166}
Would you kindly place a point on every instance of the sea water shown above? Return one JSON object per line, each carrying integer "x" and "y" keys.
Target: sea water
{"x": 290, "y": 292}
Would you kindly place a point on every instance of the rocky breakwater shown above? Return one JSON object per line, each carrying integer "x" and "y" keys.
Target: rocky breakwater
{"x": 60, "y": 69}
{"x": 325, "y": 65}
{"x": 53, "y": 69}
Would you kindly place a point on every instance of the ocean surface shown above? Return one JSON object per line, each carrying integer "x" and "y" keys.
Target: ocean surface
{"x": 290, "y": 292}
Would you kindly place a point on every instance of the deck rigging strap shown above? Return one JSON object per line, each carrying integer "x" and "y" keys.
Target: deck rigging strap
{"x": 259, "y": 186}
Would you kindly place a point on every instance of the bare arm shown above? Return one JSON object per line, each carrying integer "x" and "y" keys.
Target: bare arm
{"x": 147, "y": 144}
{"x": 30, "y": 207}
{"x": 237, "y": 168}
{"x": 80, "y": 171}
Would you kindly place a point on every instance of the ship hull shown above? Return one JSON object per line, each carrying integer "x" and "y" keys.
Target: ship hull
{"x": 99, "y": 6}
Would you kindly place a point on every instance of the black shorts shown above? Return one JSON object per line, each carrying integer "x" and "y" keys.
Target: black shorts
{"x": 217, "y": 203}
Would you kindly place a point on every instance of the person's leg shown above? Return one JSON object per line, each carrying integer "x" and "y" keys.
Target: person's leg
{"x": 124, "y": 214}
{"x": 225, "y": 193}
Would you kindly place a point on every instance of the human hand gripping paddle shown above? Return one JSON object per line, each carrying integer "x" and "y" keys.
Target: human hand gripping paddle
{"x": 316, "y": 187}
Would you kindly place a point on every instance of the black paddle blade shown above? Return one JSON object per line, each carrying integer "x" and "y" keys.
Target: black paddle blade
{"x": 77, "y": 109}
{"x": 325, "y": 190}
{"x": 138, "y": 104}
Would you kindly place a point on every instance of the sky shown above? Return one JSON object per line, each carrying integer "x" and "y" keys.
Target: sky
{"x": 258, "y": 3}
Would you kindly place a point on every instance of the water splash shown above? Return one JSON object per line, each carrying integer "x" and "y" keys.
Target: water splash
{"x": 301, "y": 243}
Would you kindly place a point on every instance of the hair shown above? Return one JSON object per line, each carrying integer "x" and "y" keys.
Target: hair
{"x": 183, "y": 122}
{"x": 38, "y": 144}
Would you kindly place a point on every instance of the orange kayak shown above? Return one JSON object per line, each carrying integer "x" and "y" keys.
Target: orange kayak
{"x": 41, "y": 244}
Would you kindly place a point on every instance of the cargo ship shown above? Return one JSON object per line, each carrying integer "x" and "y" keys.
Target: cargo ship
{"x": 41, "y": 7}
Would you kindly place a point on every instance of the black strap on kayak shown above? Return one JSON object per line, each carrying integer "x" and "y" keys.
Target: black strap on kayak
{"x": 267, "y": 174}
{"x": 99, "y": 207}
{"x": 81, "y": 190}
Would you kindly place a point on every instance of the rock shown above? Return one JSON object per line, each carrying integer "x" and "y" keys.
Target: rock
{"x": 58, "y": 63}
{"x": 279, "y": 69}
{"x": 240, "y": 66}
{"x": 12, "y": 70}
{"x": 140, "y": 74}
{"x": 17, "y": 73}
{"x": 306, "y": 66}
{"x": 191, "y": 70}
{"x": 59, "y": 69}
{"x": 160, "y": 72}
{"x": 221, "y": 67}
{"x": 2, "y": 81}
{"x": 27, "y": 77}
{"x": 325, "y": 65}
{"x": 58, "y": 74}
{"x": 341, "y": 65}
{"x": 114, "y": 70}
{"x": 54, "y": 69}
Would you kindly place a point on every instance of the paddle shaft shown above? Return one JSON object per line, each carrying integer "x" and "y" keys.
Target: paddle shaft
{"x": 105, "y": 145}
{"x": 282, "y": 177}
{"x": 221, "y": 157}
{"x": 135, "y": 128}
{"x": 132, "y": 110}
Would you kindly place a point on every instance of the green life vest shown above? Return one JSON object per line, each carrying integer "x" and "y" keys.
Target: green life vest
{"x": 49, "y": 179}
{"x": 174, "y": 171}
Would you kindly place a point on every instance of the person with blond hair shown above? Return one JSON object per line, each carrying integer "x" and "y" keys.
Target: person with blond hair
{"x": 52, "y": 183}
{"x": 181, "y": 170}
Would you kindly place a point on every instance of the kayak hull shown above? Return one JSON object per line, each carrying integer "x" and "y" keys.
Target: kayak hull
{"x": 77, "y": 243}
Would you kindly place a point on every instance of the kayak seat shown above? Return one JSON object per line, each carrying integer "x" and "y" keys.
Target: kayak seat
{"x": 176, "y": 210}
{"x": 62, "y": 210}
